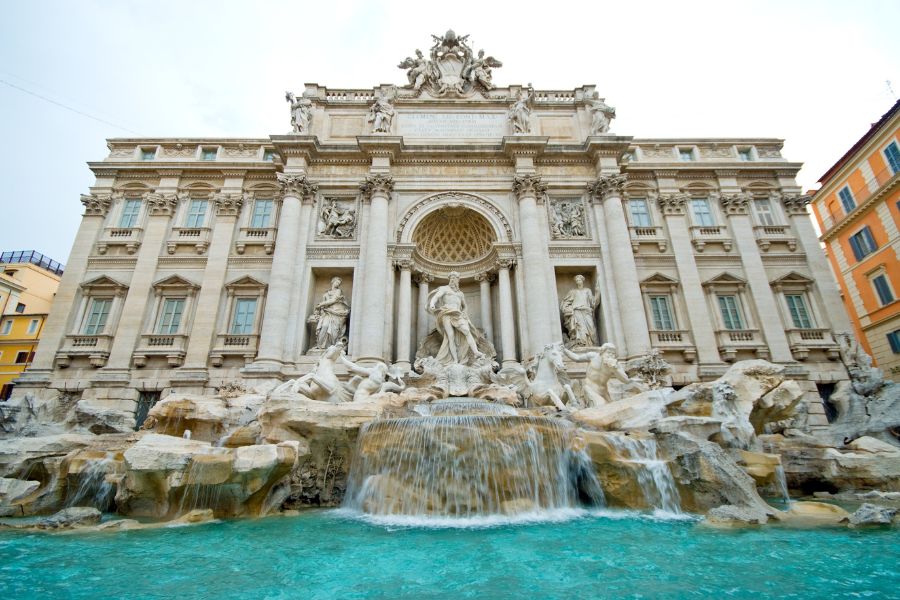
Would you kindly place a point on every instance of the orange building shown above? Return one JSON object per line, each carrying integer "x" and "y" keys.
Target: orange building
{"x": 858, "y": 210}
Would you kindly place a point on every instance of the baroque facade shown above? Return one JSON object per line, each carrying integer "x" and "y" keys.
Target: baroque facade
{"x": 201, "y": 262}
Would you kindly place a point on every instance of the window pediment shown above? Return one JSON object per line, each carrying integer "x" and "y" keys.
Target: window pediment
{"x": 725, "y": 280}
{"x": 104, "y": 284}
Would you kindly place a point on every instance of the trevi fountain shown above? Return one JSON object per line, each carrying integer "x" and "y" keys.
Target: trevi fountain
{"x": 585, "y": 464}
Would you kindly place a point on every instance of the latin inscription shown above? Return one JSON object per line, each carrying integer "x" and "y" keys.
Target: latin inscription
{"x": 452, "y": 125}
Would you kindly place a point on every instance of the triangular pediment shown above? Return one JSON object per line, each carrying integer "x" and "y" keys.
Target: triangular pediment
{"x": 103, "y": 282}
{"x": 725, "y": 278}
{"x": 793, "y": 278}
{"x": 175, "y": 281}
{"x": 246, "y": 282}
{"x": 659, "y": 279}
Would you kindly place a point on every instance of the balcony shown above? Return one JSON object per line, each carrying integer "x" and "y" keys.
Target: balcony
{"x": 128, "y": 237}
{"x": 701, "y": 235}
{"x": 766, "y": 235}
{"x": 648, "y": 235}
{"x": 802, "y": 341}
{"x": 170, "y": 345}
{"x": 674, "y": 341}
{"x": 94, "y": 347}
{"x": 233, "y": 344}
{"x": 198, "y": 237}
{"x": 731, "y": 341}
{"x": 255, "y": 236}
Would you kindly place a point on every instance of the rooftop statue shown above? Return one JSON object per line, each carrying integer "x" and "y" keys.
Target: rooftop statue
{"x": 301, "y": 113}
{"x": 381, "y": 115}
{"x": 451, "y": 67}
{"x": 520, "y": 112}
{"x": 602, "y": 114}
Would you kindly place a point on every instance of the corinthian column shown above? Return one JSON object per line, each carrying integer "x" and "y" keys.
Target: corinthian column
{"x": 535, "y": 263}
{"x": 507, "y": 326}
{"x": 423, "y": 279}
{"x": 608, "y": 190}
{"x": 404, "y": 313}
{"x": 294, "y": 189}
{"x": 376, "y": 190}
{"x": 484, "y": 281}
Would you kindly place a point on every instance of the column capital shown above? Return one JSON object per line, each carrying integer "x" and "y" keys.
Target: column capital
{"x": 672, "y": 204}
{"x": 505, "y": 263}
{"x": 794, "y": 204}
{"x": 607, "y": 186}
{"x": 96, "y": 205}
{"x": 735, "y": 204}
{"x": 376, "y": 184}
{"x": 403, "y": 264}
{"x": 162, "y": 205}
{"x": 529, "y": 185}
{"x": 424, "y": 278}
{"x": 298, "y": 186}
{"x": 484, "y": 276}
{"x": 228, "y": 205}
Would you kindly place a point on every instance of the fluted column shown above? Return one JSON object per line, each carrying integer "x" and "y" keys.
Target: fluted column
{"x": 484, "y": 281}
{"x": 507, "y": 325}
{"x": 96, "y": 206}
{"x": 404, "y": 313}
{"x": 736, "y": 207}
{"x": 608, "y": 190}
{"x": 423, "y": 279}
{"x": 294, "y": 188}
{"x": 203, "y": 328}
{"x": 609, "y": 299}
{"x": 160, "y": 208}
{"x": 376, "y": 190}
{"x": 673, "y": 208}
{"x": 535, "y": 263}
{"x": 795, "y": 207}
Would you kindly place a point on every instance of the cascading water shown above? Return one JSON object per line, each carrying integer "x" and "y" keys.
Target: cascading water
{"x": 653, "y": 476}
{"x": 465, "y": 458}
{"x": 92, "y": 485}
{"x": 782, "y": 485}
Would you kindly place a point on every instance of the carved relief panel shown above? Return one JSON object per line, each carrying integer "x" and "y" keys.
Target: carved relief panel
{"x": 337, "y": 218}
{"x": 567, "y": 219}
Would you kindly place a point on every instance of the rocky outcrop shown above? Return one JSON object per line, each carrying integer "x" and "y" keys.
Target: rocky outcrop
{"x": 872, "y": 514}
{"x": 813, "y": 514}
{"x": 167, "y": 476}
{"x": 637, "y": 412}
{"x": 226, "y": 420}
{"x": 874, "y": 415}
{"x": 68, "y": 518}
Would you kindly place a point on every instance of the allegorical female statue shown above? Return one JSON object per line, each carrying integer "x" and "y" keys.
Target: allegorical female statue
{"x": 578, "y": 315}
{"x": 330, "y": 316}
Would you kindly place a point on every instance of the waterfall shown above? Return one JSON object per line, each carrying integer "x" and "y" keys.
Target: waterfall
{"x": 781, "y": 480}
{"x": 653, "y": 475}
{"x": 93, "y": 488}
{"x": 467, "y": 457}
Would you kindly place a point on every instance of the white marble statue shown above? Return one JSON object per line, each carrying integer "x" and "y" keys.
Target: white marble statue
{"x": 330, "y": 316}
{"x": 451, "y": 67}
{"x": 603, "y": 366}
{"x": 520, "y": 112}
{"x": 381, "y": 115}
{"x": 479, "y": 70}
{"x": 336, "y": 222}
{"x": 370, "y": 380}
{"x": 420, "y": 70}
{"x": 301, "y": 113}
{"x": 578, "y": 315}
{"x": 322, "y": 383}
{"x": 602, "y": 114}
{"x": 448, "y": 305}
{"x": 548, "y": 385}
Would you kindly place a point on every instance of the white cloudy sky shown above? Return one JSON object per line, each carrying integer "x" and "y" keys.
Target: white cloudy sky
{"x": 812, "y": 72}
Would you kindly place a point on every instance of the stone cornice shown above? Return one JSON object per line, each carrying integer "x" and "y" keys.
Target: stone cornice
{"x": 96, "y": 205}
{"x": 377, "y": 184}
{"x": 379, "y": 146}
{"x": 529, "y": 186}
{"x": 862, "y": 209}
{"x": 607, "y": 186}
{"x": 298, "y": 186}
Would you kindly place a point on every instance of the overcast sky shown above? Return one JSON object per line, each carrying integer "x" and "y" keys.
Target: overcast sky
{"x": 814, "y": 73}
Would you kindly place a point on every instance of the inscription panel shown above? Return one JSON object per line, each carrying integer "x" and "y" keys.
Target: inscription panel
{"x": 452, "y": 125}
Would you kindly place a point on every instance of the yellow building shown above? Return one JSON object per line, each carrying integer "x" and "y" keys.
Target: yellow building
{"x": 28, "y": 282}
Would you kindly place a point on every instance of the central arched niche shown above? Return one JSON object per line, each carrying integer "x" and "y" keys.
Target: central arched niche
{"x": 454, "y": 236}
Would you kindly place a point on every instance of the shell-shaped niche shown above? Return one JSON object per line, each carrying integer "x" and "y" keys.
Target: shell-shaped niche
{"x": 453, "y": 235}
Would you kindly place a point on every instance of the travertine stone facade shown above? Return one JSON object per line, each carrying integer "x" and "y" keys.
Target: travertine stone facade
{"x": 200, "y": 261}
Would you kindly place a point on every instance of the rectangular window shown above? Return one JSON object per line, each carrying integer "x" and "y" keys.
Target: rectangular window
{"x": 640, "y": 213}
{"x": 244, "y": 314}
{"x": 262, "y": 211}
{"x": 745, "y": 154}
{"x": 97, "y": 316}
{"x": 847, "y": 199}
{"x": 196, "y": 213}
{"x": 662, "y": 313}
{"x": 269, "y": 155}
{"x": 764, "y": 211}
{"x": 130, "y": 211}
{"x": 170, "y": 318}
{"x": 731, "y": 316}
{"x": 799, "y": 313}
{"x": 7, "y": 327}
{"x": 883, "y": 288}
{"x": 6, "y": 391}
{"x": 701, "y": 212}
{"x": 23, "y": 357}
{"x": 32, "y": 327}
{"x": 208, "y": 154}
{"x": 20, "y": 308}
{"x": 148, "y": 153}
{"x": 894, "y": 340}
{"x": 892, "y": 154}
{"x": 862, "y": 243}
{"x": 686, "y": 154}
